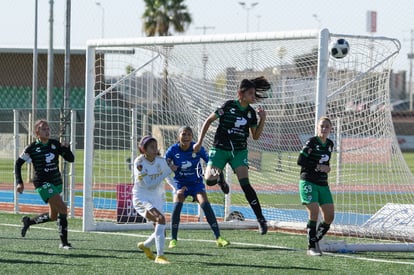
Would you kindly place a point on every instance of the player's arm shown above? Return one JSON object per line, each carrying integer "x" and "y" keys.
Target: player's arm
{"x": 66, "y": 153}
{"x": 304, "y": 161}
{"x": 203, "y": 131}
{"x": 256, "y": 132}
{"x": 18, "y": 175}
{"x": 171, "y": 183}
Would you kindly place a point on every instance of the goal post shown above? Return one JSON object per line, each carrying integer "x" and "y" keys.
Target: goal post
{"x": 154, "y": 85}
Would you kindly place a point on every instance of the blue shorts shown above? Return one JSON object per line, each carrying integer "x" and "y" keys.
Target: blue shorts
{"x": 192, "y": 188}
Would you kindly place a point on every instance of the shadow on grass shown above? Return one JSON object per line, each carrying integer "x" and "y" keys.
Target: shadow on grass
{"x": 66, "y": 253}
{"x": 21, "y": 261}
{"x": 298, "y": 268}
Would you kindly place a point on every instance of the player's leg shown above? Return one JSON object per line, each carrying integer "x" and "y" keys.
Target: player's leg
{"x": 309, "y": 197}
{"x": 58, "y": 208}
{"x": 328, "y": 211}
{"x": 221, "y": 181}
{"x": 211, "y": 218}
{"x": 142, "y": 208}
{"x": 27, "y": 221}
{"x": 214, "y": 170}
{"x": 313, "y": 210}
{"x": 175, "y": 218}
{"x": 242, "y": 173}
{"x": 45, "y": 192}
{"x": 155, "y": 215}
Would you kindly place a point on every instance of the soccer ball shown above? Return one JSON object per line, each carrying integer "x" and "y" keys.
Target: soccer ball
{"x": 235, "y": 216}
{"x": 340, "y": 48}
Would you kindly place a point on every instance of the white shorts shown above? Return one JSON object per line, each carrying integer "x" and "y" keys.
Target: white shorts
{"x": 144, "y": 205}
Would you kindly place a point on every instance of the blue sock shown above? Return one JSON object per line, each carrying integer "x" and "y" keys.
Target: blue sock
{"x": 175, "y": 219}
{"x": 211, "y": 218}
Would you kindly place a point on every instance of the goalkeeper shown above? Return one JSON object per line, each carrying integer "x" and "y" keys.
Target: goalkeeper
{"x": 236, "y": 119}
{"x": 313, "y": 185}
{"x": 187, "y": 167}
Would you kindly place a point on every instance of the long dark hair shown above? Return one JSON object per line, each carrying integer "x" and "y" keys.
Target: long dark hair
{"x": 259, "y": 83}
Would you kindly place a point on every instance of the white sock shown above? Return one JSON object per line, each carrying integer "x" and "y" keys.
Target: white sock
{"x": 150, "y": 241}
{"x": 160, "y": 238}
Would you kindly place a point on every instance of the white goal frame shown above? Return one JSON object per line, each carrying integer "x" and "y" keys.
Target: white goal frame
{"x": 323, "y": 93}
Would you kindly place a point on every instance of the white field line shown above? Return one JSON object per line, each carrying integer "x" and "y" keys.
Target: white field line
{"x": 352, "y": 256}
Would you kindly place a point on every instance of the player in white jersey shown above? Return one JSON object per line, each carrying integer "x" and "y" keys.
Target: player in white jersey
{"x": 150, "y": 171}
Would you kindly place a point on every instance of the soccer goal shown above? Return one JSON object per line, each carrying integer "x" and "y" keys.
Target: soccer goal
{"x": 155, "y": 85}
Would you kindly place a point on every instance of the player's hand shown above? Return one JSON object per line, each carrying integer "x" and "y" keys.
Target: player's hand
{"x": 182, "y": 190}
{"x": 171, "y": 165}
{"x": 20, "y": 188}
{"x": 324, "y": 168}
{"x": 65, "y": 144}
{"x": 261, "y": 112}
{"x": 196, "y": 147}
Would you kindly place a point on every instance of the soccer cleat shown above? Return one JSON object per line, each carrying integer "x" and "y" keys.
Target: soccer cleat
{"x": 262, "y": 226}
{"x": 146, "y": 250}
{"x": 221, "y": 242}
{"x": 65, "y": 246}
{"x": 173, "y": 244}
{"x": 313, "y": 252}
{"x": 223, "y": 184}
{"x": 161, "y": 260}
{"x": 26, "y": 225}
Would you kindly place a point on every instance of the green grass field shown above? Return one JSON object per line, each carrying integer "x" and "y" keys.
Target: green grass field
{"x": 116, "y": 252}
{"x": 196, "y": 253}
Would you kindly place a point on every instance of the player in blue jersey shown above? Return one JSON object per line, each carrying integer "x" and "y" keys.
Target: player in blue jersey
{"x": 188, "y": 178}
{"x": 237, "y": 119}
{"x": 313, "y": 185}
{"x": 44, "y": 155}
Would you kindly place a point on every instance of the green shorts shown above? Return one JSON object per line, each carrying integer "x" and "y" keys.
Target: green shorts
{"x": 219, "y": 158}
{"x": 48, "y": 190}
{"x": 310, "y": 192}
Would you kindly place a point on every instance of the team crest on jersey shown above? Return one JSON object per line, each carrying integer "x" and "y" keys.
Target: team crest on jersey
{"x": 53, "y": 147}
{"x": 249, "y": 115}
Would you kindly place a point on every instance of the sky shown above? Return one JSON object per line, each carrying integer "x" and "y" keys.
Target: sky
{"x": 122, "y": 19}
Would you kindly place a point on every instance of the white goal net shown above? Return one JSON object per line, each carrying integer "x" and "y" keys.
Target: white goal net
{"x": 155, "y": 85}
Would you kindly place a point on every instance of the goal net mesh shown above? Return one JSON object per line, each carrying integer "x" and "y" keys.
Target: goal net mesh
{"x": 155, "y": 85}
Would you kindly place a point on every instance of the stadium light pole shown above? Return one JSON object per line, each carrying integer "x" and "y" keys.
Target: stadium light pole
{"x": 50, "y": 73}
{"x": 248, "y": 8}
{"x": 35, "y": 60}
{"x": 99, "y": 4}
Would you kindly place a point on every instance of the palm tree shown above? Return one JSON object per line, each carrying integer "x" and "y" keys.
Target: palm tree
{"x": 158, "y": 17}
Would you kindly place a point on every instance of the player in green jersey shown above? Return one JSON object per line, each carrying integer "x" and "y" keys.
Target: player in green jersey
{"x": 44, "y": 155}
{"x": 313, "y": 185}
{"x": 237, "y": 119}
